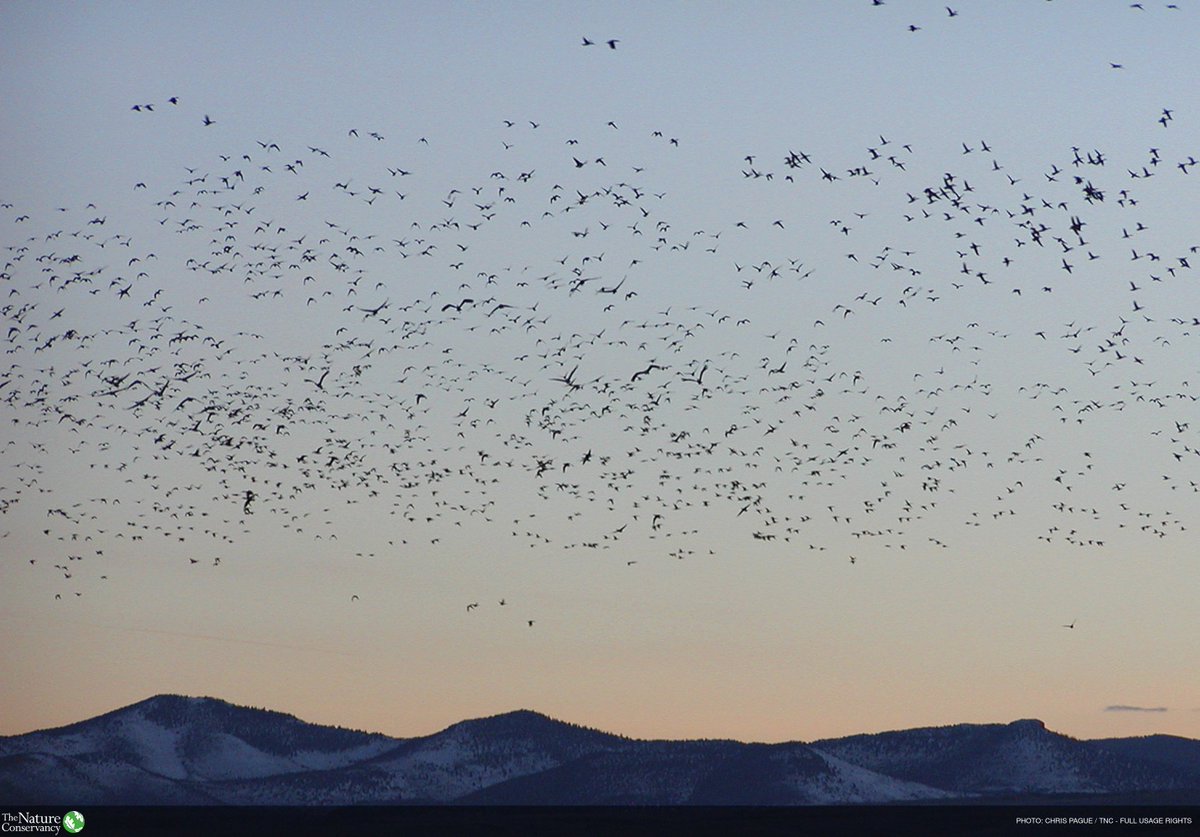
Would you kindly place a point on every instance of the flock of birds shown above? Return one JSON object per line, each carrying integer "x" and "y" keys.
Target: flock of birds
{"x": 543, "y": 349}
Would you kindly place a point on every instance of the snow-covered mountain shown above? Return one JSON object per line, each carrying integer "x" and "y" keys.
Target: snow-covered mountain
{"x": 705, "y": 773}
{"x": 172, "y": 750}
{"x": 1020, "y": 759}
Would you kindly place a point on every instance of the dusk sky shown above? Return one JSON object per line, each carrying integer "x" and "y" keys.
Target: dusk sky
{"x": 770, "y": 371}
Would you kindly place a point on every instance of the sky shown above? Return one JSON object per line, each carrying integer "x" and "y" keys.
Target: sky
{"x": 782, "y": 371}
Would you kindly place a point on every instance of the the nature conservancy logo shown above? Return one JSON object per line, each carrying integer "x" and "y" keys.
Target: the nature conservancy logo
{"x": 24, "y": 822}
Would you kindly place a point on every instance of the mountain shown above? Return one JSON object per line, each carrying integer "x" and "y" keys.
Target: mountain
{"x": 705, "y": 773}
{"x": 1170, "y": 751}
{"x": 173, "y": 750}
{"x": 1021, "y": 758}
{"x": 439, "y": 768}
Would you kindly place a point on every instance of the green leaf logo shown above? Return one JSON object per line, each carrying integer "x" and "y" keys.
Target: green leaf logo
{"x": 72, "y": 822}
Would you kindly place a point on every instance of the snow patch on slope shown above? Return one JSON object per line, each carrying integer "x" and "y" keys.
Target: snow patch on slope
{"x": 157, "y": 748}
{"x": 854, "y": 784}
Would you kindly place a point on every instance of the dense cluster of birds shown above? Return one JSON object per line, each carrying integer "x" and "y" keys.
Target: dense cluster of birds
{"x": 544, "y": 347}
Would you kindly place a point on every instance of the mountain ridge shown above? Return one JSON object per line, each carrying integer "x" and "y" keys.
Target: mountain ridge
{"x": 175, "y": 749}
